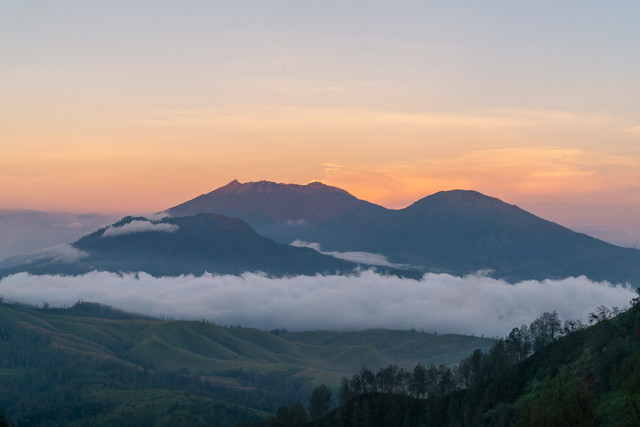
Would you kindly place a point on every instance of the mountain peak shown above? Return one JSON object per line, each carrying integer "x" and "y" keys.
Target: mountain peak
{"x": 266, "y": 201}
{"x": 266, "y": 187}
{"x": 461, "y": 199}
{"x": 232, "y": 185}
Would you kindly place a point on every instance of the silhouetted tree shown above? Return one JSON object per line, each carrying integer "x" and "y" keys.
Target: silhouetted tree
{"x": 320, "y": 402}
{"x": 3, "y": 420}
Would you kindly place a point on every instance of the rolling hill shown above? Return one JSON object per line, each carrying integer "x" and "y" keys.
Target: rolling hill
{"x": 68, "y": 366}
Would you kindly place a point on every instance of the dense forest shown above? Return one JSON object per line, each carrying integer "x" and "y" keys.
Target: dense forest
{"x": 540, "y": 375}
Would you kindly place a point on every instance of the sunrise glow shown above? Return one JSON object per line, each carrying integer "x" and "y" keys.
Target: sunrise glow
{"x": 121, "y": 108}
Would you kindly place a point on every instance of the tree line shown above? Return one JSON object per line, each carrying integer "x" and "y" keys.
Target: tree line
{"x": 480, "y": 390}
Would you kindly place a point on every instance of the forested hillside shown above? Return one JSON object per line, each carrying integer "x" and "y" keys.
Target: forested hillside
{"x": 588, "y": 376}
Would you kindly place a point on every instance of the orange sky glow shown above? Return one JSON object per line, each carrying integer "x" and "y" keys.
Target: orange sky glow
{"x": 534, "y": 104}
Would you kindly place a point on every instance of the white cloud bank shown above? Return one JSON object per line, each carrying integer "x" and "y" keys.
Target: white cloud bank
{"x": 438, "y": 302}
{"x": 367, "y": 258}
{"x": 138, "y": 226}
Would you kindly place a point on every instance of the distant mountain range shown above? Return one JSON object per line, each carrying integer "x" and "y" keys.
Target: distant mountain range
{"x": 250, "y": 227}
{"x": 458, "y": 232}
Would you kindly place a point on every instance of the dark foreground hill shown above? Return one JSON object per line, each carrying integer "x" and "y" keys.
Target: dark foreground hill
{"x": 69, "y": 367}
{"x": 457, "y": 232}
{"x": 590, "y": 377}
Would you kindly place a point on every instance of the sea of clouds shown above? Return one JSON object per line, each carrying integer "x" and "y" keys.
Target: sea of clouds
{"x": 440, "y": 303}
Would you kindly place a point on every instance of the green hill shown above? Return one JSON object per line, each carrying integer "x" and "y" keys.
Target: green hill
{"x": 589, "y": 377}
{"x": 96, "y": 365}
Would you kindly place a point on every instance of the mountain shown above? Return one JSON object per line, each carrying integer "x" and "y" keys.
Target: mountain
{"x": 93, "y": 365}
{"x": 461, "y": 232}
{"x": 458, "y": 232}
{"x": 184, "y": 245}
{"x": 267, "y": 202}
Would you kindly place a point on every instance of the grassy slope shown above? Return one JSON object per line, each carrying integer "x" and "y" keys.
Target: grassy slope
{"x": 162, "y": 407}
{"x": 239, "y": 364}
{"x": 206, "y": 348}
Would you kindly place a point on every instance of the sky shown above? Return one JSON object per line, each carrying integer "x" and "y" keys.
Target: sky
{"x": 136, "y": 106}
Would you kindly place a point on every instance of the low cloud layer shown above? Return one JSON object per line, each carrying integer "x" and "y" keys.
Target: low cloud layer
{"x": 438, "y": 302}
{"x": 138, "y": 226}
{"x": 367, "y": 258}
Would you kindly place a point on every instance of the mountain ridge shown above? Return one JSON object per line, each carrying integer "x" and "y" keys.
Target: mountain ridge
{"x": 458, "y": 232}
{"x": 251, "y": 227}
{"x": 265, "y": 202}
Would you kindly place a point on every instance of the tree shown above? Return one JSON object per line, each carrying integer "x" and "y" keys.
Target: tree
{"x": 3, "y": 420}
{"x": 417, "y": 384}
{"x": 368, "y": 380}
{"x": 320, "y": 402}
{"x": 544, "y": 330}
{"x": 297, "y": 415}
{"x": 572, "y": 326}
{"x": 346, "y": 392}
{"x": 564, "y": 401}
{"x": 602, "y": 313}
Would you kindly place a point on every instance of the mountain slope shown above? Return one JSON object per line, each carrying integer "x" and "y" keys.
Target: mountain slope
{"x": 461, "y": 232}
{"x": 185, "y": 245}
{"x": 267, "y": 202}
{"x": 458, "y": 232}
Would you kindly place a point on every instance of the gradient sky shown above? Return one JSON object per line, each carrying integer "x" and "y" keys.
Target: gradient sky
{"x": 135, "y": 106}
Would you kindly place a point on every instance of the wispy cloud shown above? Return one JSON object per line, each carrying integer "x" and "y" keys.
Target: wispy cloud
{"x": 533, "y": 171}
{"x": 138, "y": 226}
{"x": 63, "y": 253}
{"x": 366, "y": 258}
{"x": 438, "y": 302}
{"x": 157, "y": 216}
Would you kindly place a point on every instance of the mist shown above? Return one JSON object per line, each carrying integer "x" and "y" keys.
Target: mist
{"x": 440, "y": 303}
{"x": 138, "y": 226}
{"x": 358, "y": 257}
{"x": 30, "y": 232}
